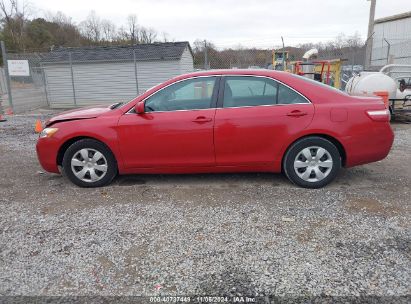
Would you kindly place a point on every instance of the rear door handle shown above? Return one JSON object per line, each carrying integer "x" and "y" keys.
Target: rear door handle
{"x": 296, "y": 113}
{"x": 202, "y": 119}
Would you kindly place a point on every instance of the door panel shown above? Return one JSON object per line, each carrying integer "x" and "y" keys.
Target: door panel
{"x": 255, "y": 135}
{"x": 167, "y": 139}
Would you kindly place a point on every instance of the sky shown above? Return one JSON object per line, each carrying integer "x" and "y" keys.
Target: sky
{"x": 230, "y": 23}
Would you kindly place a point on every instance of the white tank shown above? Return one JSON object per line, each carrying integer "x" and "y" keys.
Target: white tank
{"x": 366, "y": 83}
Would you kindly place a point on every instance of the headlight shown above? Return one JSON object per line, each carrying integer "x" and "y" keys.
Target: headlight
{"x": 48, "y": 132}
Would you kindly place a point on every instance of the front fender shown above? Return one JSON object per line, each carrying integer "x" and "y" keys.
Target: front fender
{"x": 102, "y": 129}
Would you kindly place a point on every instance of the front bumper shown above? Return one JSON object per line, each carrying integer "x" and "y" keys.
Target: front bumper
{"x": 47, "y": 150}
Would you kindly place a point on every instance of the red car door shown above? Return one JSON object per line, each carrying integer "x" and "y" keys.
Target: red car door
{"x": 254, "y": 118}
{"x": 176, "y": 128}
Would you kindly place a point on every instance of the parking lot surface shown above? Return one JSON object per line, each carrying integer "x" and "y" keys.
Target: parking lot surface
{"x": 249, "y": 234}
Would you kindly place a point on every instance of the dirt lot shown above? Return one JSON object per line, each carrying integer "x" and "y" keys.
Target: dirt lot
{"x": 251, "y": 234}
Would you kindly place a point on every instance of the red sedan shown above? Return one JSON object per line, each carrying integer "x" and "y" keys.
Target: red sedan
{"x": 221, "y": 121}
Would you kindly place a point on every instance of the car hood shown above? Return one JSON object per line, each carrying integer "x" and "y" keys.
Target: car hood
{"x": 83, "y": 113}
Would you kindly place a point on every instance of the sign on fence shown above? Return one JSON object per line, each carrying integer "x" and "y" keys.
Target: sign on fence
{"x": 18, "y": 67}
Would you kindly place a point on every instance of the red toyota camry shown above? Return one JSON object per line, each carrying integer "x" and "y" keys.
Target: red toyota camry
{"x": 221, "y": 121}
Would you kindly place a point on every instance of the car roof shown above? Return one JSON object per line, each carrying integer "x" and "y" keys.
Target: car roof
{"x": 261, "y": 72}
{"x": 278, "y": 75}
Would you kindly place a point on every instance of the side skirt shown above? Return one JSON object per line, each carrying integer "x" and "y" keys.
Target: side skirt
{"x": 273, "y": 167}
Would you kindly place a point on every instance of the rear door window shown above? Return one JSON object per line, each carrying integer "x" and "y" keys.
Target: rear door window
{"x": 243, "y": 91}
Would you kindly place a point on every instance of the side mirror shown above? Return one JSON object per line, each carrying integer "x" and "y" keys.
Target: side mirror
{"x": 139, "y": 107}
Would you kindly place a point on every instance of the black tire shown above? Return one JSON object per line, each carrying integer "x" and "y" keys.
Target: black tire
{"x": 109, "y": 162}
{"x": 296, "y": 150}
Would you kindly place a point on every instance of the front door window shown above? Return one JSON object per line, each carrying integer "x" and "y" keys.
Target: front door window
{"x": 191, "y": 94}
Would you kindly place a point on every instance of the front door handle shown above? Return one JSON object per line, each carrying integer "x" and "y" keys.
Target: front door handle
{"x": 296, "y": 113}
{"x": 202, "y": 119}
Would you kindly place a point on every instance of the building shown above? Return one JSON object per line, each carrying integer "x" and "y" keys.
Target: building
{"x": 391, "y": 41}
{"x": 104, "y": 75}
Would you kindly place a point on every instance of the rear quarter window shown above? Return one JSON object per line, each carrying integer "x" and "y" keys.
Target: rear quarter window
{"x": 289, "y": 96}
{"x": 320, "y": 85}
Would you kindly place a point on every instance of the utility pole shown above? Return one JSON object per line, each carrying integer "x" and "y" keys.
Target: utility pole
{"x": 6, "y": 72}
{"x": 369, "y": 35}
{"x": 282, "y": 39}
{"x": 205, "y": 55}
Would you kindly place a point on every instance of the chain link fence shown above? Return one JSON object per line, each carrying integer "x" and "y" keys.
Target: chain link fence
{"x": 24, "y": 77}
{"x": 267, "y": 58}
{"x": 75, "y": 77}
{"x": 233, "y": 59}
{"x": 351, "y": 59}
{"x": 385, "y": 52}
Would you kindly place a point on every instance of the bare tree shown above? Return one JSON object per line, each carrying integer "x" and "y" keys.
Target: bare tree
{"x": 108, "y": 29}
{"x": 341, "y": 41}
{"x": 355, "y": 40}
{"x": 64, "y": 31}
{"x": 19, "y": 30}
{"x": 59, "y": 18}
{"x": 133, "y": 28}
{"x": 14, "y": 15}
{"x": 165, "y": 37}
{"x": 91, "y": 27}
{"x": 198, "y": 46}
{"x": 147, "y": 35}
{"x": 8, "y": 13}
{"x": 122, "y": 34}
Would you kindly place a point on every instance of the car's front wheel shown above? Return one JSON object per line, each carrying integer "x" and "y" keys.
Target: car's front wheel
{"x": 89, "y": 163}
{"x": 312, "y": 162}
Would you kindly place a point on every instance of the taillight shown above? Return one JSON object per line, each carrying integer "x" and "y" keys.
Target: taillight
{"x": 379, "y": 115}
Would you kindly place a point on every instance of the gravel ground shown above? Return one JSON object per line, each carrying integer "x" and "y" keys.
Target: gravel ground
{"x": 248, "y": 234}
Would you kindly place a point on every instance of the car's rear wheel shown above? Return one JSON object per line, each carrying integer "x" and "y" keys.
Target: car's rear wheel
{"x": 89, "y": 163}
{"x": 312, "y": 162}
